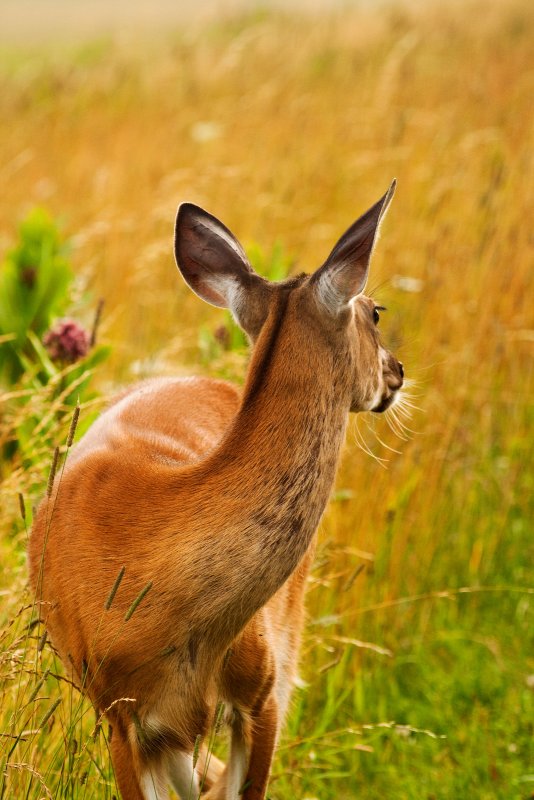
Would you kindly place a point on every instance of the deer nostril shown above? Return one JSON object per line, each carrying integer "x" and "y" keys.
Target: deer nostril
{"x": 401, "y": 369}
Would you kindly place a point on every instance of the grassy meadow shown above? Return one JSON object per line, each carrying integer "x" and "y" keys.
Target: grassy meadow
{"x": 418, "y": 658}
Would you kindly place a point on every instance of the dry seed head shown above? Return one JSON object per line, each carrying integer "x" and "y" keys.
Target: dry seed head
{"x": 98, "y": 728}
{"x": 137, "y": 600}
{"x": 49, "y": 713}
{"x": 359, "y": 569}
{"x": 219, "y": 715}
{"x": 196, "y": 750}
{"x": 22, "y": 507}
{"x": 96, "y": 323}
{"x": 114, "y": 588}
{"x": 73, "y": 424}
{"x": 37, "y": 688}
{"x": 52, "y": 475}
{"x": 32, "y": 623}
{"x": 42, "y": 642}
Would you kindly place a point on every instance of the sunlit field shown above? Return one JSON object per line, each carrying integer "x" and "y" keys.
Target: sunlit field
{"x": 417, "y": 663}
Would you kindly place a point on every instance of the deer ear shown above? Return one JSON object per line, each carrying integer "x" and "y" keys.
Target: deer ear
{"x": 344, "y": 273}
{"x": 215, "y": 267}
{"x": 211, "y": 260}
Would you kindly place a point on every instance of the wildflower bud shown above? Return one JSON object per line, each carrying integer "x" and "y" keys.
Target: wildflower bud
{"x": 67, "y": 341}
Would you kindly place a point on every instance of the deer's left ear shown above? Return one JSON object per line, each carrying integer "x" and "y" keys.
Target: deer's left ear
{"x": 344, "y": 273}
{"x": 215, "y": 266}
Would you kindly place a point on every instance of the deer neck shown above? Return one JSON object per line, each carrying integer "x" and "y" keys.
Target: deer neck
{"x": 287, "y": 436}
{"x": 268, "y": 482}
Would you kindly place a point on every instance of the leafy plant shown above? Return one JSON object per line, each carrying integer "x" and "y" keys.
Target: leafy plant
{"x": 36, "y": 356}
{"x": 34, "y": 287}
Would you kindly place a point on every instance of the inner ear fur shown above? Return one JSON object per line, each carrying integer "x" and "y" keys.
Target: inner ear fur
{"x": 214, "y": 265}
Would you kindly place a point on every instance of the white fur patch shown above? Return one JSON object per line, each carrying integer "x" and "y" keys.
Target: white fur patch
{"x": 237, "y": 767}
{"x": 152, "y": 786}
{"x": 229, "y": 288}
{"x": 329, "y": 296}
{"x": 182, "y": 775}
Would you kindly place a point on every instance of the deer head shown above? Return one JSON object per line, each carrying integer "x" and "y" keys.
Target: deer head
{"x": 327, "y": 307}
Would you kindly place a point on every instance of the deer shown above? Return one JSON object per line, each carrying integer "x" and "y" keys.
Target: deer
{"x": 198, "y": 504}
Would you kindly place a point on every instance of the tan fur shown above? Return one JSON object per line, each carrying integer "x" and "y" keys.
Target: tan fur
{"x": 214, "y": 497}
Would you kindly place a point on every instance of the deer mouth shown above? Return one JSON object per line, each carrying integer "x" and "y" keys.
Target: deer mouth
{"x": 393, "y": 382}
{"x": 386, "y": 402}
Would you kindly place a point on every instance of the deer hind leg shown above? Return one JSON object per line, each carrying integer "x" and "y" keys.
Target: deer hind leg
{"x": 141, "y": 773}
{"x": 134, "y": 779}
{"x": 251, "y": 753}
{"x": 228, "y": 780}
{"x": 238, "y": 761}
{"x": 263, "y": 736}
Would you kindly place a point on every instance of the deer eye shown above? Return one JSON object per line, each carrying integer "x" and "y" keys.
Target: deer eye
{"x": 376, "y": 313}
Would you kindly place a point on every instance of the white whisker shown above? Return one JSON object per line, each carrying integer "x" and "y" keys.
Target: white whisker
{"x": 395, "y": 425}
{"x": 404, "y": 412}
{"x": 371, "y": 427}
{"x": 404, "y": 402}
{"x": 362, "y": 444}
{"x": 408, "y": 410}
{"x": 395, "y": 413}
{"x": 402, "y": 425}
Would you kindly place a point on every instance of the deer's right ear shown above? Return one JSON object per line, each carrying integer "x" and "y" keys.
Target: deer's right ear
{"x": 344, "y": 273}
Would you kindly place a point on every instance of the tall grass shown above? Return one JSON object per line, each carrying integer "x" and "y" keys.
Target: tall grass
{"x": 417, "y": 662}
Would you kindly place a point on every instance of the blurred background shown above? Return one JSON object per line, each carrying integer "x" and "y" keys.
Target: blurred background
{"x": 287, "y": 121}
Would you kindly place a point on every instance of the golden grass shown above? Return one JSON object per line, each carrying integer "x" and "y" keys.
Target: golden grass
{"x": 287, "y": 128}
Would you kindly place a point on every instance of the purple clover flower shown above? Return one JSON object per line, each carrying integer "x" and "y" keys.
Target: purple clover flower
{"x": 66, "y": 341}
